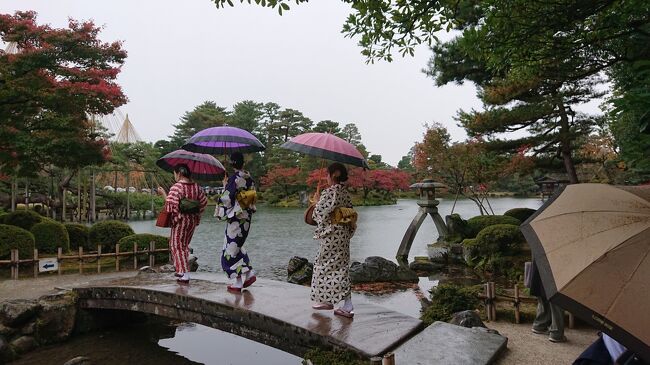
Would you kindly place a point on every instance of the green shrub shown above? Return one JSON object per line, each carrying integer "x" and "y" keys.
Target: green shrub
{"x": 476, "y": 224}
{"x": 500, "y": 238}
{"x": 3, "y": 216}
{"x": 48, "y": 236}
{"x": 520, "y": 213}
{"x": 337, "y": 357}
{"x": 12, "y": 237}
{"x": 24, "y": 219}
{"x": 447, "y": 299}
{"x": 79, "y": 236}
{"x": 142, "y": 240}
{"x": 108, "y": 234}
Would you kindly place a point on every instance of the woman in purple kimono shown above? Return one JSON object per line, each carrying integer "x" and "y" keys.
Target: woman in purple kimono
{"x": 234, "y": 258}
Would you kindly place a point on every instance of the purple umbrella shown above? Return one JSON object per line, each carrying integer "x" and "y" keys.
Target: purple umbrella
{"x": 223, "y": 140}
{"x": 202, "y": 166}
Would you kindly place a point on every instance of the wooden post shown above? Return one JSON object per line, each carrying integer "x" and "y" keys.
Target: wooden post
{"x": 14, "y": 264}
{"x": 488, "y": 310}
{"x": 36, "y": 263}
{"x": 389, "y": 359}
{"x": 59, "y": 254}
{"x": 81, "y": 260}
{"x": 135, "y": 256}
{"x": 117, "y": 257}
{"x": 152, "y": 259}
{"x": 375, "y": 360}
{"x": 99, "y": 259}
{"x": 517, "y": 314}
{"x": 493, "y": 306}
{"x": 571, "y": 320}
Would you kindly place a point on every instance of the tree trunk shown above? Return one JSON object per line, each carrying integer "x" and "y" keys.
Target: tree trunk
{"x": 565, "y": 145}
{"x": 128, "y": 201}
{"x": 93, "y": 198}
{"x": 14, "y": 187}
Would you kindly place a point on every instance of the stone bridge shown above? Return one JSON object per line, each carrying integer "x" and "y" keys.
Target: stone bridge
{"x": 279, "y": 314}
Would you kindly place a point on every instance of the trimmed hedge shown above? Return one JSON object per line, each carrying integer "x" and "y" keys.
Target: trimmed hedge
{"x": 49, "y": 236}
{"x": 108, "y": 233}
{"x": 79, "y": 236}
{"x": 24, "y": 219}
{"x": 142, "y": 241}
{"x": 12, "y": 237}
{"x": 477, "y": 224}
{"x": 504, "y": 239}
{"x": 520, "y": 213}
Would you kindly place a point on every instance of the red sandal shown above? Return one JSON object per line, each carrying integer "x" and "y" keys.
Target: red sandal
{"x": 343, "y": 313}
{"x": 322, "y": 306}
{"x": 233, "y": 289}
{"x": 250, "y": 281}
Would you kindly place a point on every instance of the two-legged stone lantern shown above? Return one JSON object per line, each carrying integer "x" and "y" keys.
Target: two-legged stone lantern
{"x": 428, "y": 205}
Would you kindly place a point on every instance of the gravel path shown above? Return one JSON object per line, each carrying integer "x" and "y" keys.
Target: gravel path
{"x": 525, "y": 347}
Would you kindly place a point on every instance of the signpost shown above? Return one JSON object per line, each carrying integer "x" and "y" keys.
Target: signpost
{"x": 49, "y": 264}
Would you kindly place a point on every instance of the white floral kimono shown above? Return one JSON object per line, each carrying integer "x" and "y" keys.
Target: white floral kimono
{"x": 330, "y": 282}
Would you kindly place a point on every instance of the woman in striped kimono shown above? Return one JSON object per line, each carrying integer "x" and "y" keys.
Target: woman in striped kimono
{"x": 183, "y": 224}
{"x": 234, "y": 258}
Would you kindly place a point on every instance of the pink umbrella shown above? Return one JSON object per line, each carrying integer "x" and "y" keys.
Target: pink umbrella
{"x": 327, "y": 146}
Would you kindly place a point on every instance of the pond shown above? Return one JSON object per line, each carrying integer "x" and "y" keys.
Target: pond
{"x": 277, "y": 234}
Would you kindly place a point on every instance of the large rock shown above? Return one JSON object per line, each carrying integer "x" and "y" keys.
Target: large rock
{"x": 299, "y": 270}
{"x": 378, "y": 269}
{"x": 438, "y": 252}
{"x": 167, "y": 268}
{"x": 23, "y": 344}
{"x": 79, "y": 360}
{"x": 194, "y": 263}
{"x": 6, "y": 331}
{"x": 15, "y": 313}
{"x": 423, "y": 264}
{"x": 5, "y": 351}
{"x": 467, "y": 319}
{"x": 56, "y": 320}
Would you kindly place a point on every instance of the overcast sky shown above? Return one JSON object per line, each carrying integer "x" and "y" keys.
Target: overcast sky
{"x": 181, "y": 53}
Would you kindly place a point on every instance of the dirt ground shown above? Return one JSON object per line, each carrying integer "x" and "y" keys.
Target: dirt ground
{"x": 525, "y": 347}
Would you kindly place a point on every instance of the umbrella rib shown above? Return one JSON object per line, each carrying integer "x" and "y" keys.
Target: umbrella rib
{"x": 627, "y": 282}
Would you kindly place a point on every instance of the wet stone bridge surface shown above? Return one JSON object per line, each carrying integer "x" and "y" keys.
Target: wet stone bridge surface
{"x": 272, "y": 312}
{"x": 279, "y": 314}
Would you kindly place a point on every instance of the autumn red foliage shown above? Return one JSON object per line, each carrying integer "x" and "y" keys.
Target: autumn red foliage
{"x": 51, "y": 82}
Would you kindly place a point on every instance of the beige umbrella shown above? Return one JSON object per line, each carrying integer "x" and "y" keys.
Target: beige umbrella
{"x": 591, "y": 243}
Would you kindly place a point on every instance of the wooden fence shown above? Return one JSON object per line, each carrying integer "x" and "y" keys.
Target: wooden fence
{"x": 490, "y": 298}
{"x": 15, "y": 262}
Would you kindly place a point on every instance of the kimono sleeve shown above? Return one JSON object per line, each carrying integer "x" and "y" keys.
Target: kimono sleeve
{"x": 172, "y": 200}
{"x": 325, "y": 207}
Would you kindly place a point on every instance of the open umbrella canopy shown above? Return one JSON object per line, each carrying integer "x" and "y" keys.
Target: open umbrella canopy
{"x": 327, "y": 146}
{"x": 591, "y": 243}
{"x": 202, "y": 166}
{"x": 223, "y": 140}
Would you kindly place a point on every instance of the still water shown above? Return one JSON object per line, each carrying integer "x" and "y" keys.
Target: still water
{"x": 277, "y": 234}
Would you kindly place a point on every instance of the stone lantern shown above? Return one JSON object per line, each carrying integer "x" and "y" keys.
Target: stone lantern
{"x": 428, "y": 205}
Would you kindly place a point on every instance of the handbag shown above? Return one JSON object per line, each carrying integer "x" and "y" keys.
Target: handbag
{"x": 345, "y": 216}
{"x": 528, "y": 274}
{"x": 309, "y": 215}
{"x": 246, "y": 198}
{"x": 189, "y": 206}
{"x": 164, "y": 219}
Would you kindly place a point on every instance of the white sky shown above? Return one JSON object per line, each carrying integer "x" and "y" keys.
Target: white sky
{"x": 181, "y": 53}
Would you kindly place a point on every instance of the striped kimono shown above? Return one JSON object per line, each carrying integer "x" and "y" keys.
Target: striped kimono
{"x": 234, "y": 258}
{"x": 183, "y": 225}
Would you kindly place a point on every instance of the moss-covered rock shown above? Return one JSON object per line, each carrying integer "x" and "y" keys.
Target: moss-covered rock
{"x": 49, "y": 236}
{"x": 520, "y": 213}
{"x": 456, "y": 227}
{"x": 447, "y": 299}
{"x": 108, "y": 234}
{"x": 12, "y": 237}
{"x": 477, "y": 224}
{"x": 79, "y": 236}
{"x": 322, "y": 357}
{"x": 24, "y": 219}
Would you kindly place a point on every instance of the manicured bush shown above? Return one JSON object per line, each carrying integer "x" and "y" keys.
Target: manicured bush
{"x": 12, "y": 237}
{"x": 142, "y": 241}
{"x": 48, "y": 236}
{"x": 108, "y": 234}
{"x": 447, "y": 299}
{"x": 476, "y": 224}
{"x": 505, "y": 239}
{"x": 24, "y": 219}
{"x": 3, "y": 215}
{"x": 79, "y": 236}
{"x": 520, "y": 213}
